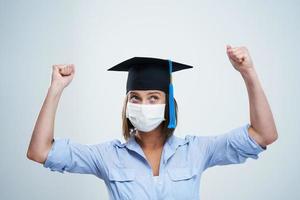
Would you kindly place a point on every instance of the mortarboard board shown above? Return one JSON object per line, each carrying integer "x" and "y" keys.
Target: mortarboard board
{"x": 146, "y": 73}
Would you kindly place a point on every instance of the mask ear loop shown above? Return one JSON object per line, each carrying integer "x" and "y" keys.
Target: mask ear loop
{"x": 172, "y": 119}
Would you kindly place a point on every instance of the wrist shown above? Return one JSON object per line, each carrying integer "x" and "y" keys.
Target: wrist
{"x": 55, "y": 89}
{"x": 250, "y": 77}
{"x": 248, "y": 73}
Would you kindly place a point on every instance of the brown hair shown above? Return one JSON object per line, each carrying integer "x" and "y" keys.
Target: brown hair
{"x": 127, "y": 127}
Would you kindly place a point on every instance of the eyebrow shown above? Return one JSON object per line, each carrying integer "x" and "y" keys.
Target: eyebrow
{"x": 148, "y": 93}
{"x": 154, "y": 93}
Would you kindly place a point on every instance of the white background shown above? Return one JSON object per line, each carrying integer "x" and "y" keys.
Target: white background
{"x": 212, "y": 96}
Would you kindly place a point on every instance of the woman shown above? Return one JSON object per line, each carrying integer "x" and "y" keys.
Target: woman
{"x": 153, "y": 163}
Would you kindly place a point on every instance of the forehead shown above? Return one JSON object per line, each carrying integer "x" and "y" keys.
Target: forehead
{"x": 146, "y": 92}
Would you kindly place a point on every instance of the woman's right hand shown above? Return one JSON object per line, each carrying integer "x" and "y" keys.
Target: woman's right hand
{"x": 62, "y": 75}
{"x": 43, "y": 132}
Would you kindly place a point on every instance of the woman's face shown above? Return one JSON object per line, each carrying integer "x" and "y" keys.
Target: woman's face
{"x": 146, "y": 96}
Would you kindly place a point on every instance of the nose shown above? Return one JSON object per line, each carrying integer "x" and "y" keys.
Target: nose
{"x": 144, "y": 101}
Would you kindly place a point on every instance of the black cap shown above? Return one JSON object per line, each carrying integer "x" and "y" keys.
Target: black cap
{"x": 147, "y": 73}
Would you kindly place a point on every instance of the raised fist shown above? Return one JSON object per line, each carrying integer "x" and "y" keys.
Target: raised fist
{"x": 62, "y": 75}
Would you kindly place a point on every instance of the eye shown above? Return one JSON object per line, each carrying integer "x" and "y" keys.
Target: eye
{"x": 154, "y": 97}
{"x": 134, "y": 96}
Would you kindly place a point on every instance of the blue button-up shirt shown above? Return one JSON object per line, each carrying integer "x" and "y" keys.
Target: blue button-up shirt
{"x": 128, "y": 175}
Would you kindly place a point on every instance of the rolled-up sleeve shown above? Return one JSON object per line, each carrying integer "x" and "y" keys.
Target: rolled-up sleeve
{"x": 73, "y": 157}
{"x": 232, "y": 147}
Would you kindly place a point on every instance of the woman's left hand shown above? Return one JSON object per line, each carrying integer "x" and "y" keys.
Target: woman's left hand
{"x": 239, "y": 58}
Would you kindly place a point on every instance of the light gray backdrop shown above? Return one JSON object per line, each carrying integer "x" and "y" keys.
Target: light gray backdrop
{"x": 212, "y": 97}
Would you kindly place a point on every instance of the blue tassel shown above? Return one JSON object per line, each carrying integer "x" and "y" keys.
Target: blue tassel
{"x": 172, "y": 118}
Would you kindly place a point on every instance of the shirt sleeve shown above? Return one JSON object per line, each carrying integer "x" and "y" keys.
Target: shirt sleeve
{"x": 73, "y": 157}
{"x": 232, "y": 147}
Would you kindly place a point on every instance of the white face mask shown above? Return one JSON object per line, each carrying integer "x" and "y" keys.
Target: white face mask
{"x": 145, "y": 117}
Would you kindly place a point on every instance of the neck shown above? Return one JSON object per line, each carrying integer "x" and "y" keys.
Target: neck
{"x": 151, "y": 140}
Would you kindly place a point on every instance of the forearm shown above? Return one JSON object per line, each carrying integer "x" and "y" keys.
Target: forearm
{"x": 261, "y": 116}
{"x": 43, "y": 133}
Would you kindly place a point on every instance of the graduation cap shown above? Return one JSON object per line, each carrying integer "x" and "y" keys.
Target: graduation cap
{"x": 146, "y": 73}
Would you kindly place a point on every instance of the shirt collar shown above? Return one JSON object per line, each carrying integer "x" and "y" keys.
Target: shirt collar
{"x": 170, "y": 146}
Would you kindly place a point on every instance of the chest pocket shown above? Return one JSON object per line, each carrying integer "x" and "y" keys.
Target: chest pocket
{"x": 183, "y": 183}
{"x": 121, "y": 174}
{"x": 122, "y": 183}
{"x": 184, "y": 173}
{"x": 181, "y": 174}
